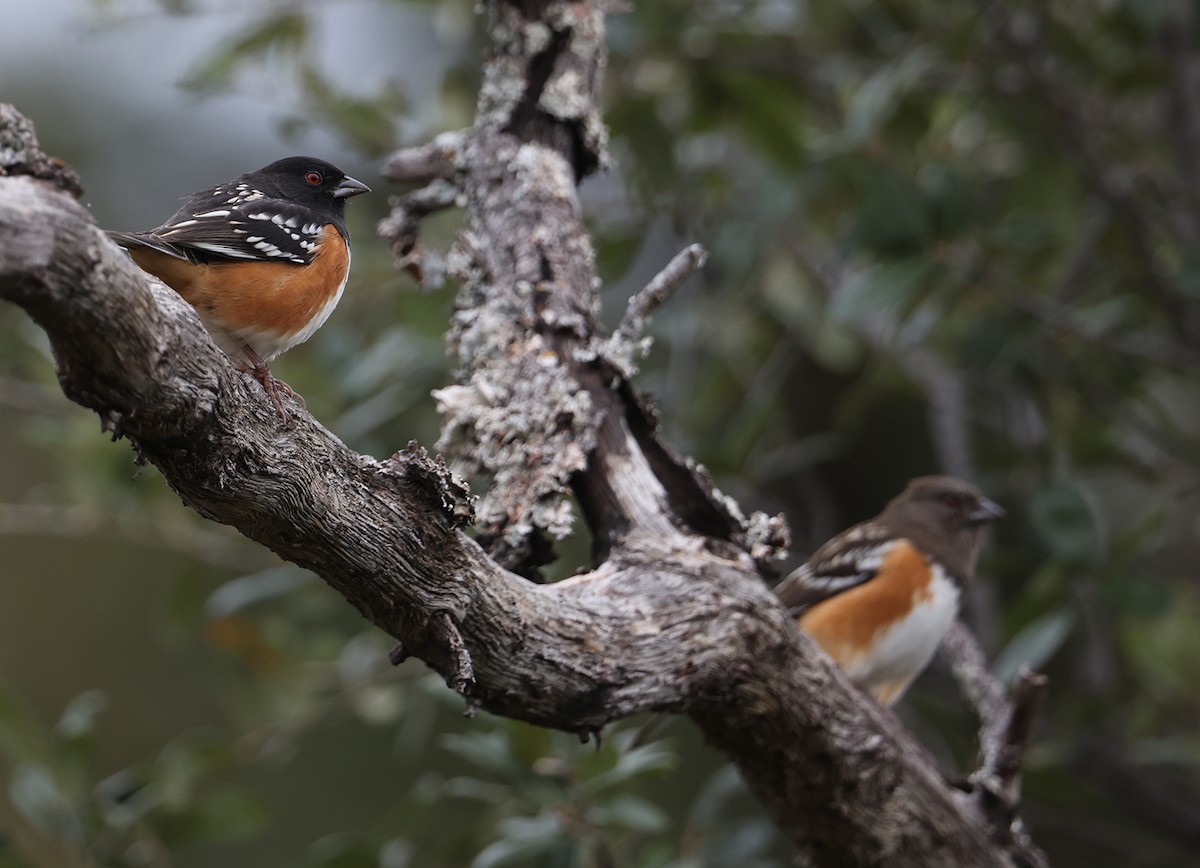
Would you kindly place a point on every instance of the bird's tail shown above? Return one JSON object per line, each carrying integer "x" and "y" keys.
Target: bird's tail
{"x": 144, "y": 239}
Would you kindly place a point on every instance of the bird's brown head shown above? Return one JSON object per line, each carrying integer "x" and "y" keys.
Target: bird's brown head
{"x": 946, "y": 517}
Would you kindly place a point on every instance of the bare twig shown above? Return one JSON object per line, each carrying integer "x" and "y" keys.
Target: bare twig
{"x": 1027, "y": 695}
{"x": 401, "y": 228}
{"x": 1003, "y": 737}
{"x": 437, "y": 159}
{"x": 462, "y": 673}
{"x": 651, "y": 297}
{"x": 437, "y": 165}
{"x": 974, "y": 677}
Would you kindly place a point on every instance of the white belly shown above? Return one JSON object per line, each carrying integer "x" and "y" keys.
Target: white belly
{"x": 905, "y": 648}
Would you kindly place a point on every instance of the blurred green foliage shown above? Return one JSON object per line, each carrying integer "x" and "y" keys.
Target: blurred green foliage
{"x": 943, "y": 236}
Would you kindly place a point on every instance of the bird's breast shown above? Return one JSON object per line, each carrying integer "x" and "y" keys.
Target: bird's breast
{"x": 269, "y": 306}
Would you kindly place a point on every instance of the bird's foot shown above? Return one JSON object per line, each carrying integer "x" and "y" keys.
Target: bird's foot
{"x": 275, "y": 388}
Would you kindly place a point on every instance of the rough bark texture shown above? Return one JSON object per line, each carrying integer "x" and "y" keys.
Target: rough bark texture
{"x": 675, "y": 616}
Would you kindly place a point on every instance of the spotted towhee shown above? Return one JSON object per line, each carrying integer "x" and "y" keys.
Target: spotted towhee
{"x": 263, "y": 258}
{"x": 880, "y": 596}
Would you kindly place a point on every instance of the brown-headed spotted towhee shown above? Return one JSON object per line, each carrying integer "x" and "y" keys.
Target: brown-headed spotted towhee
{"x": 263, "y": 258}
{"x": 879, "y": 597}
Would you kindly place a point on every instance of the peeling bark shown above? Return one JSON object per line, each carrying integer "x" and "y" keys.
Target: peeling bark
{"x": 675, "y": 616}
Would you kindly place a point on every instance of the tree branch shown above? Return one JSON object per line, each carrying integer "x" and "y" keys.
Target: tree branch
{"x": 1004, "y": 733}
{"x": 438, "y": 166}
{"x": 652, "y": 296}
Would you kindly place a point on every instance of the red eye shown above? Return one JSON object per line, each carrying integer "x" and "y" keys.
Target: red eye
{"x": 952, "y": 500}
{"x": 314, "y": 178}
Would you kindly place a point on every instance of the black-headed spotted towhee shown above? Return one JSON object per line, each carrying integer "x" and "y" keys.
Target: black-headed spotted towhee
{"x": 263, "y": 258}
{"x": 879, "y": 597}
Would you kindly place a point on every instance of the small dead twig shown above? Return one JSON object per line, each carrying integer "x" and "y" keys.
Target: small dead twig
{"x": 437, "y": 166}
{"x": 424, "y": 163}
{"x": 401, "y": 228}
{"x": 1004, "y": 733}
{"x": 1006, "y": 756}
{"x": 464, "y": 673}
{"x": 651, "y": 297}
{"x": 985, "y": 693}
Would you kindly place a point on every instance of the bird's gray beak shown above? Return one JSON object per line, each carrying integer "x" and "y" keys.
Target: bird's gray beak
{"x": 986, "y": 511}
{"x": 350, "y": 187}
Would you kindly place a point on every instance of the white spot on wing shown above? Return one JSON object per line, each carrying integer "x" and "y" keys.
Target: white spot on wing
{"x": 223, "y": 249}
{"x": 241, "y": 194}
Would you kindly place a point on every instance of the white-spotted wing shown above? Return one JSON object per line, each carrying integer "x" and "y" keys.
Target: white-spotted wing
{"x": 847, "y": 560}
{"x": 250, "y": 228}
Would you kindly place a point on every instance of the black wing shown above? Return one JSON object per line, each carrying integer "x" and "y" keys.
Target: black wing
{"x": 846, "y": 561}
{"x": 256, "y": 229}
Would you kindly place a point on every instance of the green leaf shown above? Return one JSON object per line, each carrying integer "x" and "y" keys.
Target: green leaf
{"x": 743, "y": 843}
{"x": 185, "y": 763}
{"x": 369, "y": 124}
{"x": 37, "y": 796}
{"x": 227, "y": 815}
{"x": 525, "y": 838}
{"x": 246, "y": 591}
{"x": 628, "y": 811}
{"x": 341, "y": 850}
{"x": 79, "y": 717}
{"x": 769, "y": 108}
{"x": 1065, "y": 522}
{"x": 489, "y": 750}
{"x": 888, "y": 287}
{"x": 1033, "y": 645}
{"x": 892, "y": 217}
{"x": 710, "y": 803}
{"x": 280, "y": 34}
{"x": 649, "y": 759}
{"x": 466, "y": 787}
{"x": 22, "y": 736}
{"x": 878, "y": 97}
{"x": 396, "y": 853}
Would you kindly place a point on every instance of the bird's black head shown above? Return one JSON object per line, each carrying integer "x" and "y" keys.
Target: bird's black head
{"x": 306, "y": 180}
